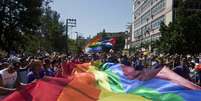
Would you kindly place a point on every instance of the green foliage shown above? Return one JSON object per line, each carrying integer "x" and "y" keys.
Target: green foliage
{"x": 32, "y": 43}
{"x": 17, "y": 18}
{"x": 52, "y": 31}
{"x": 171, "y": 40}
{"x": 120, "y": 43}
{"x": 183, "y": 35}
{"x": 133, "y": 49}
{"x": 29, "y": 25}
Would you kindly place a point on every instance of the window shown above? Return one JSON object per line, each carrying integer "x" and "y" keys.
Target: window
{"x": 156, "y": 23}
{"x": 137, "y": 3}
{"x": 146, "y": 4}
{"x": 137, "y": 13}
{"x": 146, "y": 29}
{"x": 137, "y": 22}
{"x": 146, "y": 17}
{"x": 159, "y": 7}
{"x": 137, "y": 33}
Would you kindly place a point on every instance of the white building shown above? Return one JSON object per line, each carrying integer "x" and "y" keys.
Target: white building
{"x": 147, "y": 17}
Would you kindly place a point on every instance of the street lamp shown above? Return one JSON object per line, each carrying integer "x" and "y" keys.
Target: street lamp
{"x": 141, "y": 38}
{"x": 150, "y": 37}
{"x": 69, "y": 23}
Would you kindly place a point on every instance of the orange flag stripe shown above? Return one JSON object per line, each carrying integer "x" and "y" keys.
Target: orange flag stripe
{"x": 81, "y": 88}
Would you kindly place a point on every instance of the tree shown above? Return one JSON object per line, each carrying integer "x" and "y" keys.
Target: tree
{"x": 29, "y": 25}
{"x": 52, "y": 30}
{"x": 182, "y": 36}
{"x": 120, "y": 43}
{"x": 171, "y": 39}
{"x": 17, "y": 19}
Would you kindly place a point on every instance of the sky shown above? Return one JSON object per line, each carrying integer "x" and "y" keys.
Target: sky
{"x": 95, "y": 15}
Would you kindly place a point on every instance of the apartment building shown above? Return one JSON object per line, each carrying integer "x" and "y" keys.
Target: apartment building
{"x": 147, "y": 17}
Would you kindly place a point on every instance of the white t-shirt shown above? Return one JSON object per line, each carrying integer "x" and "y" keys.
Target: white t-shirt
{"x": 8, "y": 79}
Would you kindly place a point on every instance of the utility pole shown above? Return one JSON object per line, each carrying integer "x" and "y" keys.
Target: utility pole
{"x": 69, "y": 23}
{"x": 76, "y": 38}
{"x": 77, "y": 42}
{"x": 67, "y": 37}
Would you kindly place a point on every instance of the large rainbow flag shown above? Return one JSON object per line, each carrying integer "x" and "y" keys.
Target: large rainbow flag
{"x": 109, "y": 82}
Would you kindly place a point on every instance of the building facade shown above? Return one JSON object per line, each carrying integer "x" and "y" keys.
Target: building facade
{"x": 147, "y": 18}
{"x": 108, "y": 35}
{"x": 148, "y": 15}
{"x": 128, "y": 37}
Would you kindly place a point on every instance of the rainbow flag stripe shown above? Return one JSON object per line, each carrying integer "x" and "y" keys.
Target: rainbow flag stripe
{"x": 109, "y": 82}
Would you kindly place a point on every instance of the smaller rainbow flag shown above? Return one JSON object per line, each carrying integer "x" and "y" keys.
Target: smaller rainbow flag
{"x": 94, "y": 41}
{"x": 98, "y": 46}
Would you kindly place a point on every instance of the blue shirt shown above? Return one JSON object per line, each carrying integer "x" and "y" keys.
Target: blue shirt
{"x": 22, "y": 74}
{"x": 49, "y": 72}
{"x": 31, "y": 76}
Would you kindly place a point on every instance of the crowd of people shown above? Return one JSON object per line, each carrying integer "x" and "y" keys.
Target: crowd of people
{"x": 17, "y": 70}
{"x": 187, "y": 66}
